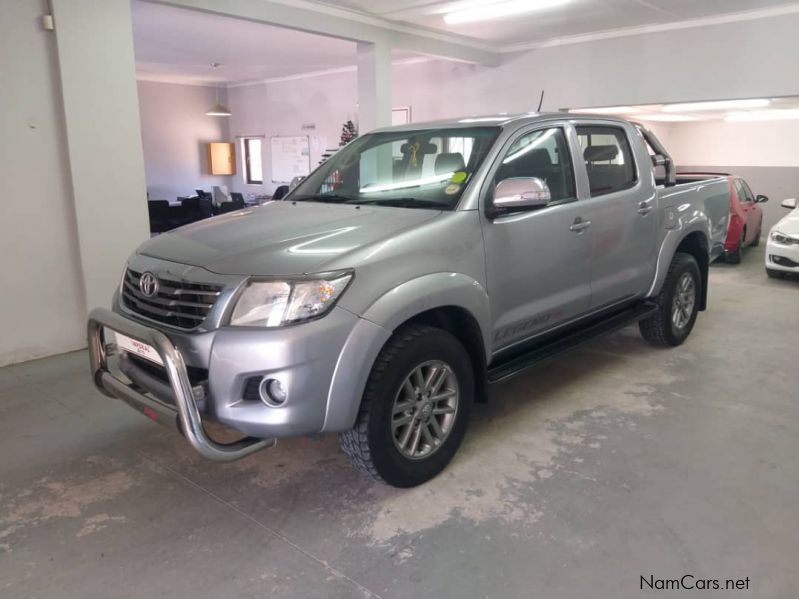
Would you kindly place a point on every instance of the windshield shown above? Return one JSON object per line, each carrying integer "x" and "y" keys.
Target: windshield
{"x": 426, "y": 168}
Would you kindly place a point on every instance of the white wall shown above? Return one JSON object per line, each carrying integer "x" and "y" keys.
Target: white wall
{"x": 175, "y": 129}
{"x": 719, "y": 143}
{"x": 766, "y": 154}
{"x": 43, "y": 309}
{"x": 682, "y": 65}
{"x": 736, "y": 60}
{"x": 326, "y": 102}
{"x": 101, "y": 116}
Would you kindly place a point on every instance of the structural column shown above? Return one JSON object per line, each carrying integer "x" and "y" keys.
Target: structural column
{"x": 374, "y": 86}
{"x": 101, "y": 114}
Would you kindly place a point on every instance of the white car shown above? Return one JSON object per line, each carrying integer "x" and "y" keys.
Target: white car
{"x": 782, "y": 250}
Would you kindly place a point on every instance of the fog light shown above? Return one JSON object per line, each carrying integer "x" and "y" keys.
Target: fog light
{"x": 273, "y": 392}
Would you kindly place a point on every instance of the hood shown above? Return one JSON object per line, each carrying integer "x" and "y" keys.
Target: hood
{"x": 789, "y": 224}
{"x": 282, "y": 238}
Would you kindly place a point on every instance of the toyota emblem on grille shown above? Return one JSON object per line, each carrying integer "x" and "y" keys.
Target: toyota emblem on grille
{"x": 148, "y": 284}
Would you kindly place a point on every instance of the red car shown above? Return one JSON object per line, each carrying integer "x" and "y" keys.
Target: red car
{"x": 746, "y": 217}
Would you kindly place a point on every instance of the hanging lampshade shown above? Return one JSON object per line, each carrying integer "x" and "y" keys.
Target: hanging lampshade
{"x": 218, "y": 109}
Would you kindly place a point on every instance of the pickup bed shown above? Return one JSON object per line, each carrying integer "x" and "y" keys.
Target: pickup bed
{"x": 415, "y": 267}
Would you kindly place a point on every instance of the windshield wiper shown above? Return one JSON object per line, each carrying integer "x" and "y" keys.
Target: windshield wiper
{"x": 407, "y": 203}
{"x": 328, "y": 198}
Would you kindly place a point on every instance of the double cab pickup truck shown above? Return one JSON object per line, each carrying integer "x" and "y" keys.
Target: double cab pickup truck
{"x": 384, "y": 294}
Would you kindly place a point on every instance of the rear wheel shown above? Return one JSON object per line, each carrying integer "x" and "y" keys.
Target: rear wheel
{"x": 735, "y": 257}
{"x": 415, "y": 408}
{"x": 756, "y": 240}
{"x": 677, "y": 304}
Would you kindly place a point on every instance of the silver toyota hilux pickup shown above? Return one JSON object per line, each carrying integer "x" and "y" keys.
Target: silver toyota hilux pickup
{"x": 421, "y": 263}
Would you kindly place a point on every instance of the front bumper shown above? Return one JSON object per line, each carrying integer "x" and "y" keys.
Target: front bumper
{"x": 782, "y": 257}
{"x": 184, "y": 412}
{"x": 324, "y": 364}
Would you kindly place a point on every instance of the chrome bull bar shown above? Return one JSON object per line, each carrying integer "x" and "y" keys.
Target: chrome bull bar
{"x": 185, "y": 412}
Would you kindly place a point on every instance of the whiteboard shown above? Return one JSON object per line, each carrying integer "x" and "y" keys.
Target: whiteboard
{"x": 291, "y": 157}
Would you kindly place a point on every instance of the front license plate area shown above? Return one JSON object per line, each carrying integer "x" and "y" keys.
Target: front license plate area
{"x": 137, "y": 348}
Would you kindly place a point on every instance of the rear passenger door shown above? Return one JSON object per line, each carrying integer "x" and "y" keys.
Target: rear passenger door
{"x": 620, "y": 208}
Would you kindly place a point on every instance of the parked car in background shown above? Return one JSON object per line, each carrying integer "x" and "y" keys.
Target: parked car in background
{"x": 746, "y": 217}
{"x": 409, "y": 271}
{"x": 782, "y": 249}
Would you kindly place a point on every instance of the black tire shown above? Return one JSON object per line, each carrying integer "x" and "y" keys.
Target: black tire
{"x": 659, "y": 329}
{"x": 735, "y": 257}
{"x": 775, "y": 274}
{"x": 370, "y": 444}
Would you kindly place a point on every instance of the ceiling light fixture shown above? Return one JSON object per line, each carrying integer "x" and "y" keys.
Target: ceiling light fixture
{"x": 762, "y": 115}
{"x": 666, "y": 118}
{"x": 218, "y": 109}
{"x": 721, "y": 105}
{"x": 498, "y": 10}
{"x": 608, "y": 110}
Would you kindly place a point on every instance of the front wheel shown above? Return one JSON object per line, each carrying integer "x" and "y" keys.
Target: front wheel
{"x": 415, "y": 408}
{"x": 677, "y": 304}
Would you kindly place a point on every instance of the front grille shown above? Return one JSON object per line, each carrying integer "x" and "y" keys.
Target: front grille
{"x": 782, "y": 261}
{"x": 177, "y": 303}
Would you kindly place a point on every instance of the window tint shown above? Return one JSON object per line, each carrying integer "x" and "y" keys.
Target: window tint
{"x": 608, "y": 159}
{"x": 747, "y": 193}
{"x": 739, "y": 192}
{"x": 543, "y": 154}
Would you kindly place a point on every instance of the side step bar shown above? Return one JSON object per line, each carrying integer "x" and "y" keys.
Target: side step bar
{"x": 519, "y": 363}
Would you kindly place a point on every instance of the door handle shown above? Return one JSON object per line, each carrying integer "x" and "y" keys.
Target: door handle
{"x": 644, "y": 208}
{"x": 580, "y": 225}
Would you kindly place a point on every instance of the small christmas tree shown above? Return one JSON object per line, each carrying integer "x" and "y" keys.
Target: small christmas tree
{"x": 348, "y": 132}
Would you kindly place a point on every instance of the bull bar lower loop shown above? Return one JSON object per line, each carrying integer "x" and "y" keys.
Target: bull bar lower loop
{"x": 186, "y": 411}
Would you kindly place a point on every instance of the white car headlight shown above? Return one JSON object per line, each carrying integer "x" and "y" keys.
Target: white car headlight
{"x": 783, "y": 238}
{"x": 274, "y": 303}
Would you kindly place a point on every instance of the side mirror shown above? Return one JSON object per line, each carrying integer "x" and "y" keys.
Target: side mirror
{"x": 761, "y": 200}
{"x": 521, "y": 193}
{"x": 790, "y": 203}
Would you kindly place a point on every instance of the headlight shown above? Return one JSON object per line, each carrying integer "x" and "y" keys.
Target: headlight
{"x": 783, "y": 239}
{"x": 272, "y": 303}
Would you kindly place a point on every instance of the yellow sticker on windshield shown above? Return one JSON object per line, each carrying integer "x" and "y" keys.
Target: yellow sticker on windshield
{"x": 458, "y": 177}
{"x": 452, "y": 189}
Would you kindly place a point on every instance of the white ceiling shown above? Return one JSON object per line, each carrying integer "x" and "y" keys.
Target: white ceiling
{"x": 178, "y": 46}
{"x": 577, "y": 17}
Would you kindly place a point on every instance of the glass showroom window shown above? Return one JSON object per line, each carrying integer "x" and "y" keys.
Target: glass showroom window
{"x": 253, "y": 167}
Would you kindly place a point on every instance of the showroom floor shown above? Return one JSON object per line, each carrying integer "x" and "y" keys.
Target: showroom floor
{"x": 613, "y": 462}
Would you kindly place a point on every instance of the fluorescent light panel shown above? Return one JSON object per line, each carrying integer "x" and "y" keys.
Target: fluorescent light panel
{"x": 608, "y": 110}
{"x": 498, "y": 10}
{"x": 722, "y": 105}
{"x": 762, "y": 115}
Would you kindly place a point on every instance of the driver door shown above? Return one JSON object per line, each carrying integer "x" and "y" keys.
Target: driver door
{"x": 538, "y": 262}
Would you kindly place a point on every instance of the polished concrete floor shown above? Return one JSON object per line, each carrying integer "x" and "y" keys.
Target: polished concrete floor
{"x": 610, "y": 463}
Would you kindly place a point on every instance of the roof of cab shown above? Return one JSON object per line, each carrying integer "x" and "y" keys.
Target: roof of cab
{"x": 498, "y": 120}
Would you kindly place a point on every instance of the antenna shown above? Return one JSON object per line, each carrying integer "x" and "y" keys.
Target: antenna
{"x": 541, "y": 101}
